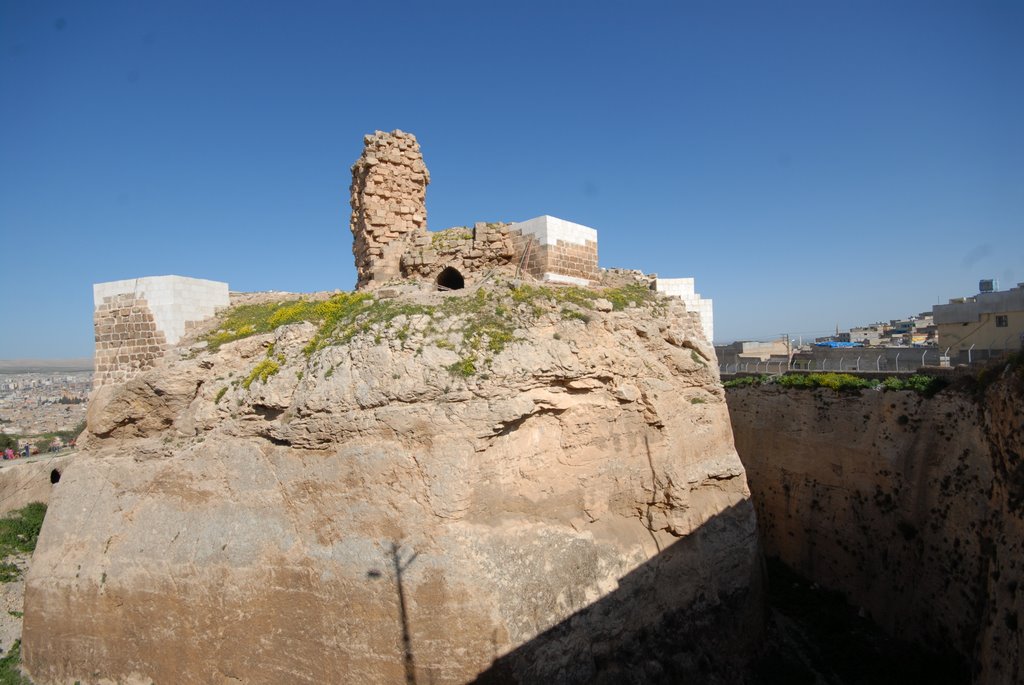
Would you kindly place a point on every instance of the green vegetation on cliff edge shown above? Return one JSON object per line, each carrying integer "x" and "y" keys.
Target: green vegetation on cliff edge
{"x": 10, "y": 671}
{"x": 483, "y": 322}
{"x": 844, "y": 382}
{"x": 19, "y": 531}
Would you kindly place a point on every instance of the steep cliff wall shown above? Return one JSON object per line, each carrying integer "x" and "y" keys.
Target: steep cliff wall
{"x": 523, "y": 484}
{"x": 24, "y": 482}
{"x": 910, "y": 506}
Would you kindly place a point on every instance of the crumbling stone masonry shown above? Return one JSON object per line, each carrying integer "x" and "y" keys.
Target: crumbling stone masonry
{"x": 388, "y": 198}
{"x": 390, "y": 239}
{"x": 127, "y": 339}
{"x": 136, "y": 320}
{"x": 472, "y": 252}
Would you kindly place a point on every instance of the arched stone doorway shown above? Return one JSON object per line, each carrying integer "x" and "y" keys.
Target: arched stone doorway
{"x": 450, "y": 279}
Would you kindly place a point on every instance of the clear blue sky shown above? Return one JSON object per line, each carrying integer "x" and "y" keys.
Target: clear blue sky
{"x": 810, "y": 163}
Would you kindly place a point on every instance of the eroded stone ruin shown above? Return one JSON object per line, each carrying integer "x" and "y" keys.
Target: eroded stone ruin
{"x": 389, "y": 193}
{"x": 391, "y": 241}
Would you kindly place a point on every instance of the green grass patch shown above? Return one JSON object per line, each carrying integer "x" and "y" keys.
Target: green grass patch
{"x": 745, "y": 381}
{"x": 10, "y": 667}
{"x": 9, "y": 572}
{"x": 621, "y": 297}
{"x": 465, "y": 367}
{"x": 263, "y": 371}
{"x": 920, "y": 383}
{"x": 358, "y": 317}
{"x": 252, "y": 319}
{"x": 220, "y": 395}
{"x": 19, "y": 532}
{"x": 485, "y": 326}
{"x": 835, "y": 381}
{"x": 634, "y": 293}
{"x": 483, "y": 322}
{"x": 575, "y": 315}
{"x": 450, "y": 238}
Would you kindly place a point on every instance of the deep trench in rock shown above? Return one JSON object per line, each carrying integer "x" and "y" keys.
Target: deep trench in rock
{"x": 889, "y": 529}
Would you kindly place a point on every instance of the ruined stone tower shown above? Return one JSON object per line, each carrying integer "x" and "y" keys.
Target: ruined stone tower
{"x": 388, "y": 196}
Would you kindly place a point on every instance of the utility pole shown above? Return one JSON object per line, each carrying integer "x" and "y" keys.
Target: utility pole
{"x": 789, "y": 353}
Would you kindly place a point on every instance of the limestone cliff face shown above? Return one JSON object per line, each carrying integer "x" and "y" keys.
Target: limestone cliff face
{"x": 910, "y": 506}
{"x": 420, "y": 495}
{"x": 24, "y": 482}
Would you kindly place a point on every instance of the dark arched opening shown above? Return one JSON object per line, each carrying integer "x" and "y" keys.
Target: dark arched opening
{"x": 54, "y": 477}
{"x": 450, "y": 279}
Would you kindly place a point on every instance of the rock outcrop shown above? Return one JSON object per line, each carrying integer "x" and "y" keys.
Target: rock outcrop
{"x": 913, "y": 507}
{"x": 25, "y": 482}
{"x": 512, "y": 484}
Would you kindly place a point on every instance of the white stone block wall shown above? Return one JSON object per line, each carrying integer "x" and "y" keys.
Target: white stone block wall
{"x": 174, "y": 301}
{"x": 684, "y": 289}
{"x": 548, "y": 230}
{"x": 136, "y": 320}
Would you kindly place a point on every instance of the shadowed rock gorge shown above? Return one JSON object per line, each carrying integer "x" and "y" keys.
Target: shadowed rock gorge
{"x": 911, "y": 506}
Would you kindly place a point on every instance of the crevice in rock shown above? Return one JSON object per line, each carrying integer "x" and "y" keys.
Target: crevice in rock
{"x": 277, "y": 440}
{"x": 267, "y": 413}
{"x": 513, "y": 425}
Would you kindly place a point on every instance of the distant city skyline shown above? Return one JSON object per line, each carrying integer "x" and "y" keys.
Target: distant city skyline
{"x": 809, "y": 164}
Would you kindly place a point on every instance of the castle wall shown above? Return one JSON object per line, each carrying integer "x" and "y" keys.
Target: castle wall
{"x": 683, "y": 288}
{"x": 388, "y": 199}
{"x": 474, "y": 252}
{"x": 558, "y": 251}
{"x": 136, "y": 320}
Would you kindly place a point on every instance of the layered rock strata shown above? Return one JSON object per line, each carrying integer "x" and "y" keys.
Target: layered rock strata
{"x": 912, "y": 507}
{"x": 516, "y": 485}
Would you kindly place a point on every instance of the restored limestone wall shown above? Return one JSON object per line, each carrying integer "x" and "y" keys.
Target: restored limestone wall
{"x": 912, "y": 507}
{"x": 684, "y": 289}
{"x": 388, "y": 198}
{"x": 559, "y": 251}
{"x": 135, "y": 320}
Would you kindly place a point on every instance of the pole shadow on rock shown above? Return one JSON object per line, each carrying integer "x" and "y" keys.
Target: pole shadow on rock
{"x": 400, "y": 567}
